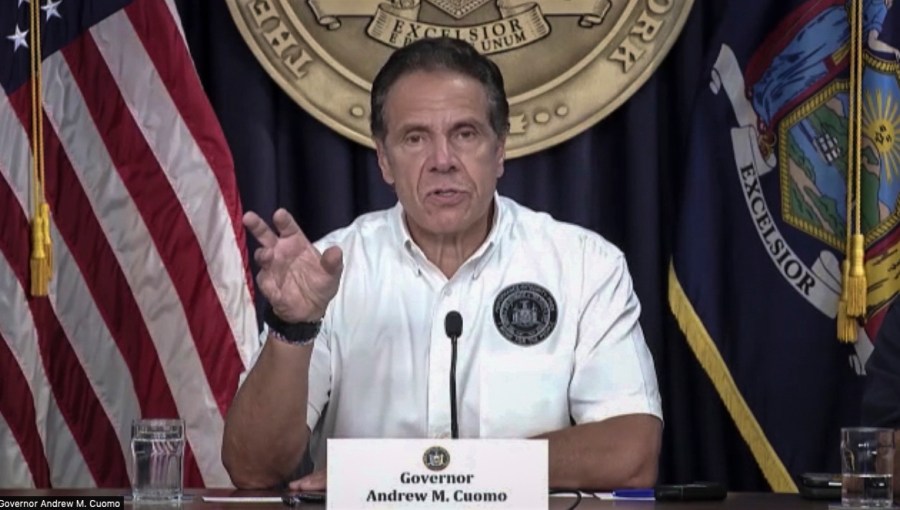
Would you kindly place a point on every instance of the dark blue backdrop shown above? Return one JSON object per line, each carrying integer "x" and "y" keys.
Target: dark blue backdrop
{"x": 619, "y": 178}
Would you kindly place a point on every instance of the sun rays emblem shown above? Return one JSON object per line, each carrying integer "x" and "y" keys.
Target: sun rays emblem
{"x": 881, "y": 125}
{"x": 880, "y": 155}
{"x": 814, "y": 154}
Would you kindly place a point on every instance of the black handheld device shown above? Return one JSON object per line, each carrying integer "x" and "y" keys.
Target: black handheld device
{"x": 698, "y": 491}
{"x": 826, "y": 486}
{"x": 294, "y": 499}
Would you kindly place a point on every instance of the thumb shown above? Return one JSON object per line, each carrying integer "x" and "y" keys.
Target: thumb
{"x": 333, "y": 260}
{"x": 316, "y": 481}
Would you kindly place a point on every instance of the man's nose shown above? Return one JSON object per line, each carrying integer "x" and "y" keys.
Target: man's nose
{"x": 443, "y": 157}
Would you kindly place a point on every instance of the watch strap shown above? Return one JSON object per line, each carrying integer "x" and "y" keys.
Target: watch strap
{"x": 294, "y": 333}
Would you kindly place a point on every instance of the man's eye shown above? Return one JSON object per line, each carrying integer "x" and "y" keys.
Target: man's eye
{"x": 413, "y": 138}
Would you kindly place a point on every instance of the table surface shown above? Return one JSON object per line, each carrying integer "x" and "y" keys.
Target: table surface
{"x": 734, "y": 501}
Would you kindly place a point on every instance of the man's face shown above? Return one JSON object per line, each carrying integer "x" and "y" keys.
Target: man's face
{"x": 440, "y": 152}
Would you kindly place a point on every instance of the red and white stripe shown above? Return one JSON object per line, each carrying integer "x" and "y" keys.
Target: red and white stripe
{"x": 150, "y": 311}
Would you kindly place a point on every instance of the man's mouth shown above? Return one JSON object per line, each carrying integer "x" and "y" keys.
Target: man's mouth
{"x": 445, "y": 192}
{"x": 446, "y": 196}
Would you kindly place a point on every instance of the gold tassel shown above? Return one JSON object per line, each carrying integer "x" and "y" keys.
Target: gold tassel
{"x": 856, "y": 281}
{"x": 846, "y": 326}
{"x": 41, "y": 260}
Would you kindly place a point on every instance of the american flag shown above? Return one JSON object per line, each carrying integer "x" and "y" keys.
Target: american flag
{"x": 149, "y": 311}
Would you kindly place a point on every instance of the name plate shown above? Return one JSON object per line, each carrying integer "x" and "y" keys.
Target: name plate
{"x": 445, "y": 473}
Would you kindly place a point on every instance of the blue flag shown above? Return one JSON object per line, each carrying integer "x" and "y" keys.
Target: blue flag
{"x": 756, "y": 275}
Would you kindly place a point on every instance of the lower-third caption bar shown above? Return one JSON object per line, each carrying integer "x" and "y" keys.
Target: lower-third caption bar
{"x": 62, "y": 502}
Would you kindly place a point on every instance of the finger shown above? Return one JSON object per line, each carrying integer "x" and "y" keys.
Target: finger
{"x": 250, "y": 217}
{"x": 259, "y": 229}
{"x": 316, "y": 481}
{"x": 333, "y": 261}
{"x": 263, "y": 256}
{"x": 287, "y": 226}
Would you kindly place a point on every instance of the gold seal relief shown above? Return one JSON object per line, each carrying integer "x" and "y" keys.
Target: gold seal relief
{"x": 566, "y": 63}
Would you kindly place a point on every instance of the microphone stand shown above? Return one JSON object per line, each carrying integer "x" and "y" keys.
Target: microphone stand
{"x": 453, "y": 327}
{"x": 454, "y": 426}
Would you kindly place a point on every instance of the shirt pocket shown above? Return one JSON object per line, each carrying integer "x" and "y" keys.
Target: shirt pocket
{"x": 523, "y": 394}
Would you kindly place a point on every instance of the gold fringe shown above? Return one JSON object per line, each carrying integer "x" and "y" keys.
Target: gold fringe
{"x": 711, "y": 360}
{"x": 846, "y": 325}
{"x": 856, "y": 283}
{"x": 846, "y": 330}
{"x": 48, "y": 241}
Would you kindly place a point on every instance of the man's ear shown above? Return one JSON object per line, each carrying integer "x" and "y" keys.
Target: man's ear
{"x": 501, "y": 155}
{"x": 386, "y": 173}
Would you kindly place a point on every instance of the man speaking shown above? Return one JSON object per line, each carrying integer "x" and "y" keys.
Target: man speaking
{"x": 543, "y": 317}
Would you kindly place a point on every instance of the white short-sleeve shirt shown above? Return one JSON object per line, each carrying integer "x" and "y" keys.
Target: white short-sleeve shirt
{"x": 550, "y": 334}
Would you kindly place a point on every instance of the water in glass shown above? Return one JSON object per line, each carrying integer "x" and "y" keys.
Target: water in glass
{"x": 867, "y": 458}
{"x": 157, "y": 450}
{"x": 867, "y": 490}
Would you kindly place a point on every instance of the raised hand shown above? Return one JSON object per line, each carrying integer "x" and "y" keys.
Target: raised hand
{"x": 295, "y": 278}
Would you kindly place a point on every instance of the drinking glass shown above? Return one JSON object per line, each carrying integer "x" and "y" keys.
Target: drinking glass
{"x": 867, "y": 466}
{"x": 157, "y": 453}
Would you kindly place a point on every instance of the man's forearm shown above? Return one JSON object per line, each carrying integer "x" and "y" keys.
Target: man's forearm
{"x": 616, "y": 453}
{"x": 265, "y": 430}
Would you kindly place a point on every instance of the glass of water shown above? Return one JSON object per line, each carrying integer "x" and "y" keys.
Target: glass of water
{"x": 157, "y": 455}
{"x": 867, "y": 465}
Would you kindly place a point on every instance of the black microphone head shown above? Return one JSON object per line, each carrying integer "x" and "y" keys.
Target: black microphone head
{"x": 453, "y": 324}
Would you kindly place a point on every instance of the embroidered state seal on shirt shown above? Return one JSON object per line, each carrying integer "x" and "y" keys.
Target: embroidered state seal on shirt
{"x": 525, "y": 313}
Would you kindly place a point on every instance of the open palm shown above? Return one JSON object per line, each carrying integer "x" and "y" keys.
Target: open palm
{"x": 295, "y": 278}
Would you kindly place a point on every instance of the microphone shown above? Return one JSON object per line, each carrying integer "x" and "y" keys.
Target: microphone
{"x": 453, "y": 328}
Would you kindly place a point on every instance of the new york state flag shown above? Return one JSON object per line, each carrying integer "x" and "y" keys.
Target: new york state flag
{"x": 794, "y": 150}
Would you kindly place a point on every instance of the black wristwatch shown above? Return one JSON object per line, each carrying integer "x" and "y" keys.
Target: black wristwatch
{"x": 294, "y": 333}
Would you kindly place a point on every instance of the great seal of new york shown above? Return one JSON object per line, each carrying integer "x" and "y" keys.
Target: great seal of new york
{"x": 567, "y": 63}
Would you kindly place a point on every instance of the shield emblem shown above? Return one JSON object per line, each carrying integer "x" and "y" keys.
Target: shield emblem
{"x": 458, "y": 8}
{"x": 813, "y": 159}
{"x": 813, "y": 164}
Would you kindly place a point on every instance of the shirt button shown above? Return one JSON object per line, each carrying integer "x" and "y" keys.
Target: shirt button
{"x": 448, "y": 292}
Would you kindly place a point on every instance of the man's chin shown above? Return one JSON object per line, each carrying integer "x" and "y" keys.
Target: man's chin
{"x": 442, "y": 226}
{"x": 442, "y": 221}
{"x": 445, "y": 229}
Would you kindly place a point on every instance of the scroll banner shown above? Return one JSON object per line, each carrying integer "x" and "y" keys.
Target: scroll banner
{"x": 592, "y": 12}
{"x": 506, "y": 34}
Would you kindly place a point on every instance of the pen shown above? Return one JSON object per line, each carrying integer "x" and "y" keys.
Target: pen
{"x": 633, "y": 493}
